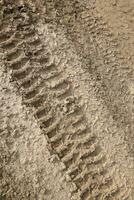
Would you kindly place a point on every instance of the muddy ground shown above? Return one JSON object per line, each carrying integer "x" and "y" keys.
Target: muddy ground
{"x": 66, "y": 100}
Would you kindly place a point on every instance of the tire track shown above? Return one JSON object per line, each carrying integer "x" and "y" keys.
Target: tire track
{"x": 43, "y": 86}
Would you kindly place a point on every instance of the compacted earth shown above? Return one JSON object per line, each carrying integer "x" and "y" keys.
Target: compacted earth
{"x": 66, "y": 100}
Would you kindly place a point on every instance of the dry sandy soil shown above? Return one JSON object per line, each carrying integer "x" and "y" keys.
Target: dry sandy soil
{"x": 66, "y": 100}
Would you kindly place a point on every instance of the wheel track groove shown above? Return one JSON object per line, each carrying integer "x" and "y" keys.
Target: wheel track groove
{"x": 70, "y": 144}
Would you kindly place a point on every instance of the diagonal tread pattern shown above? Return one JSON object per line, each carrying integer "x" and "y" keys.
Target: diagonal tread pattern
{"x": 74, "y": 144}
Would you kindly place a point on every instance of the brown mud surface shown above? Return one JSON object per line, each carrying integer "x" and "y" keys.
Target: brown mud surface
{"x": 66, "y": 100}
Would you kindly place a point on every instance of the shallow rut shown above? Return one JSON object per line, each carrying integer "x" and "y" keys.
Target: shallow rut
{"x": 45, "y": 87}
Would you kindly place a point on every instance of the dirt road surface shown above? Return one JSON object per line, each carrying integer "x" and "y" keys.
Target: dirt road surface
{"x": 66, "y": 100}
